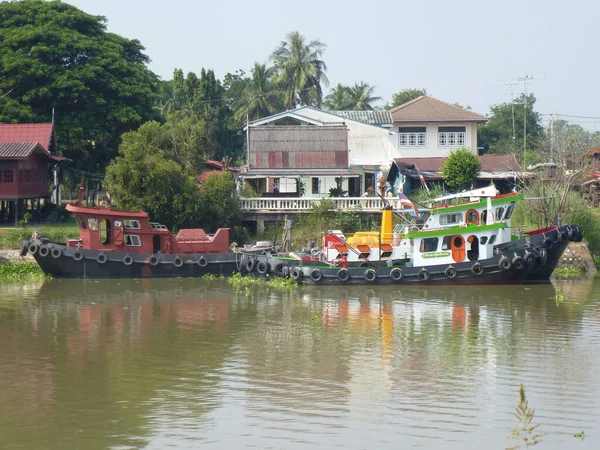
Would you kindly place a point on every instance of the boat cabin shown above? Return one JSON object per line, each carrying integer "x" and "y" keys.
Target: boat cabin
{"x": 102, "y": 228}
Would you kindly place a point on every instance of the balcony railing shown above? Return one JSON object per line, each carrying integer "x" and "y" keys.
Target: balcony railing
{"x": 287, "y": 204}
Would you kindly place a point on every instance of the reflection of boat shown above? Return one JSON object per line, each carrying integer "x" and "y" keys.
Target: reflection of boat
{"x": 469, "y": 242}
{"x": 125, "y": 244}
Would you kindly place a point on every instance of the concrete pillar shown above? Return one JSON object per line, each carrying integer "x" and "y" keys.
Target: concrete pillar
{"x": 260, "y": 226}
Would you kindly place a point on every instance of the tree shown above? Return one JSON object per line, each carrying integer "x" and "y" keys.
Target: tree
{"x": 337, "y": 100}
{"x": 360, "y": 96}
{"x": 405, "y": 96}
{"x": 259, "y": 98}
{"x": 461, "y": 169}
{"x": 504, "y": 131}
{"x": 56, "y": 58}
{"x": 300, "y": 70}
{"x": 219, "y": 202}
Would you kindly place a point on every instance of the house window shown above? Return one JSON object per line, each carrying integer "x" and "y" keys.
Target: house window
{"x": 315, "y": 185}
{"x": 132, "y": 240}
{"x": 429, "y": 245}
{"x": 450, "y": 219}
{"x": 8, "y": 175}
{"x": 132, "y": 224}
{"x": 412, "y": 137}
{"x": 451, "y": 136}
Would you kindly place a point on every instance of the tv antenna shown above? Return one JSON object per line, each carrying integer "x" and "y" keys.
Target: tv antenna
{"x": 525, "y": 80}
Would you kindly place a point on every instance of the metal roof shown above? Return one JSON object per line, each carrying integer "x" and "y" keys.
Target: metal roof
{"x": 28, "y": 132}
{"x": 381, "y": 118}
{"x": 18, "y": 150}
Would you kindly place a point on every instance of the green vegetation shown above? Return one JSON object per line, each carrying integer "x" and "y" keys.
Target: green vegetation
{"x": 20, "y": 271}
{"x": 243, "y": 282}
{"x": 11, "y": 239}
{"x": 359, "y": 97}
{"x": 525, "y": 431}
{"x": 569, "y": 271}
{"x": 580, "y": 435}
{"x": 405, "y": 96}
{"x": 461, "y": 169}
{"x": 56, "y": 58}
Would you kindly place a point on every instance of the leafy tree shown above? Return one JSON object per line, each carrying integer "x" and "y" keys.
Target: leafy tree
{"x": 259, "y": 98}
{"x": 300, "y": 70}
{"x": 220, "y": 204}
{"x": 55, "y": 57}
{"x": 504, "y": 131}
{"x": 405, "y": 96}
{"x": 337, "y": 100}
{"x": 360, "y": 96}
{"x": 461, "y": 169}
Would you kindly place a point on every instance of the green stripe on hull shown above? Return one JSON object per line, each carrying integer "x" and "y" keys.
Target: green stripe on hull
{"x": 480, "y": 204}
{"x": 456, "y": 230}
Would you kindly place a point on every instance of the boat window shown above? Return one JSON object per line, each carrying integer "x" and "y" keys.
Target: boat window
{"x": 483, "y": 217}
{"x": 93, "y": 223}
{"x": 446, "y": 242}
{"x": 450, "y": 219}
{"x": 492, "y": 239}
{"x": 483, "y": 240}
{"x": 509, "y": 212}
{"x": 132, "y": 240}
{"x": 473, "y": 217}
{"x": 105, "y": 231}
{"x": 499, "y": 213}
{"x": 132, "y": 224}
{"x": 429, "y": 245}
{"x": 81, "y": 222}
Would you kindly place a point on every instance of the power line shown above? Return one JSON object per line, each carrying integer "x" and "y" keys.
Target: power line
{"x": 570, "y": 115}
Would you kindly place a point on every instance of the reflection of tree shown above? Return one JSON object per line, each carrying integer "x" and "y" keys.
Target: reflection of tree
{"x": 115, "y": 355}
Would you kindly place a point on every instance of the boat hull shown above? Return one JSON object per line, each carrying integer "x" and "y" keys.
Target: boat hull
{"x": 531, "y": 259}
{"x": 61, "y": 261}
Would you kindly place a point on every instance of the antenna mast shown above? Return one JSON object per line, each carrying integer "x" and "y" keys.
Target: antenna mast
{"x": 525, "y": 79}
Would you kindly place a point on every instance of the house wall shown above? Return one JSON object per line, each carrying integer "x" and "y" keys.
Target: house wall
{"x": 30, "y": 178}
{"x": 432, "y": 149}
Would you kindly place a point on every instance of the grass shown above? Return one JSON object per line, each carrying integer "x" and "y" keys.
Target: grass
{"x": 11, "y": 238}
{"x": 21, "y": 271}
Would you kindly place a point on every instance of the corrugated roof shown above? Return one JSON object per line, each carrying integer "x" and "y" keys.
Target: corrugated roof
{"x": 18, "y": 150}
{"x": 27, "y": 132}
{"x": 429, "y": 109}
{"x": 489, "y": 163}
{"x": 371, "y": 117}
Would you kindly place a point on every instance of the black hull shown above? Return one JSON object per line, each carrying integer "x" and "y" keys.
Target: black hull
{"x": 68, "y": 262}
{"x": 537, "y": 258}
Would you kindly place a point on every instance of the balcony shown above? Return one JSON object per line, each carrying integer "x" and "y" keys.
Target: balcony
{"x": 303, "y": 204}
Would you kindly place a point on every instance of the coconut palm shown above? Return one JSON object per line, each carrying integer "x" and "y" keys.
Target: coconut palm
{"x": 337, "y": 100}
{"x": 260, "y": 98}
{"x": 360, "y": 96}
{"x": 300, "y": 70}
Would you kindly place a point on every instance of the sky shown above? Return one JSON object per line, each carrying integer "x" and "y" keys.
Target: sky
{"x": 461, "y": 51}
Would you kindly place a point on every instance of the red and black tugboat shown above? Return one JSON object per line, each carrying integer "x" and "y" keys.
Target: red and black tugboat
{"x": 125, "y": 244}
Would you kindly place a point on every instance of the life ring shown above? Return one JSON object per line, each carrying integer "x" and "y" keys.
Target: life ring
{"x": 153, "y": 261}
{"x": 262, "y": 267}
{"x": 563, "y": 237}
{"x": 316, "y": 275}
{"x": 202, "y": 262}
{"x": 504, "y": 263}
{"x": 477, "y": 269}
{"x": 450, "y": 272}
{"x": 178, "y": 262}
{"x": 396, "y": 274}
{"x": 44, "y": 251}
{"x": 529, "y": 259}
{"x": 548, "y": 243}
{"x": 370, "y": 275}
{"x": 343, "y": 275}
{"x": 56, "y": 252}
{"x": 77, "y": 256}
{"x": 423, "y": 275}
{"x": 543, "y": 253}
{"x": 250, "y": 265}
{"x": 101, "y": 258}
{"x": 33, "y": 248}
{"x": 128, "y": 260}
{"x": 282, "y": 270}
{"x": 296, "y": 274}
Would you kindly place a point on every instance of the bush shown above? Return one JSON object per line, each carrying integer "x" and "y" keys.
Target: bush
{"x": 461, "y": 169}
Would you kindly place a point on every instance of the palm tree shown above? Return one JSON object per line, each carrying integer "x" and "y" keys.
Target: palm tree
{"x": 259, "y": 99}
{"x": 300, "y": 69}
{"x": 337, "y": 100}
{"x": 360, "y": 96}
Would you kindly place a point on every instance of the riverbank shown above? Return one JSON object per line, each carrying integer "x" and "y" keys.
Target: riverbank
{"x": 11, "y": 238}
{"x": 20, "y": 271}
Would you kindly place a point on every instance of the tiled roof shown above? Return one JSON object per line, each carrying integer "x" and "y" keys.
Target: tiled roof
{"x": 27, "y": 132}
{"x": 489, "y": 163}
{"x": 17, "y": 150}
{"x": 370, "y": 117}
{"x": 429, "y": 109}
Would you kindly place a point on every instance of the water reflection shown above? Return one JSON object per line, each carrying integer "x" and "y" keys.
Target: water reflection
{"x": 152, "y": 363}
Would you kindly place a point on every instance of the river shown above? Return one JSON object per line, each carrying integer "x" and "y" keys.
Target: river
{"x": 188, "y": 363}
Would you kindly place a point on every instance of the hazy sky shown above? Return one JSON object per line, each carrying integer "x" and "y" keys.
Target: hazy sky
{"x": 458, "y": 50}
